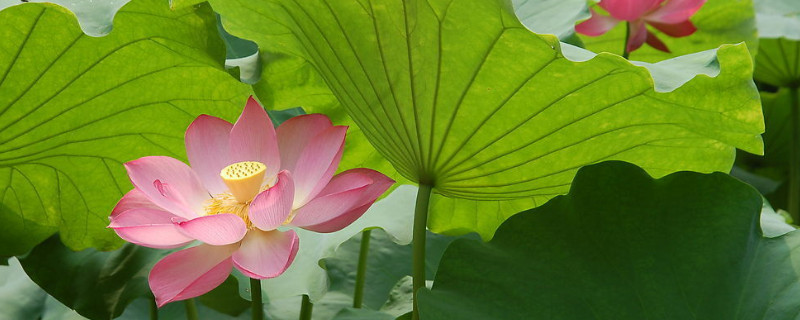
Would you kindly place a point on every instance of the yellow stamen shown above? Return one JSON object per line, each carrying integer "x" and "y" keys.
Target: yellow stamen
{"x": 244, "y": 179}
{"x": 226, "y": 203}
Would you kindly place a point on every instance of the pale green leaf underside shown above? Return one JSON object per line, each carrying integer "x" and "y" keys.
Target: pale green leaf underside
{"x": 778, "y": 59}
{"x": 73, "y": 108}
{"x": 778, "y": 19}
{"x": 718, "y": 22}
{"x": 557, "y": 17}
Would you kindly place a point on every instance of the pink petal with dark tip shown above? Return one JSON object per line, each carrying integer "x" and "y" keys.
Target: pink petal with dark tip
{"x": 656, "y": 43}
{"x": 675, "y": 30}
{"x": 638, "y": 35}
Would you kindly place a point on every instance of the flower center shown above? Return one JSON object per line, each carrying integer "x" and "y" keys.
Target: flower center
{"x": 244, "y": 179}
{"x": 226, "y": 203}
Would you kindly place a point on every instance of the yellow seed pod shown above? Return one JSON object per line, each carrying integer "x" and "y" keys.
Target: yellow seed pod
{"x": 244, "y": 179}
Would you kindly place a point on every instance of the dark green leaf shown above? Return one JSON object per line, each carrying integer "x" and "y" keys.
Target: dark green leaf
{"x": 98, "y": 285}
{"x": 622, "y": 245}
{"x": 225, "y": 298}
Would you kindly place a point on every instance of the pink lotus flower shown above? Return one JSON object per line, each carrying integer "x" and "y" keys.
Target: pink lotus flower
{"x": 239, "y": 190}
{"x": 668, "y": 16}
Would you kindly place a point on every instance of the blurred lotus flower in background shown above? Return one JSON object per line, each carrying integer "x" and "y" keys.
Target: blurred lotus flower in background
{"x": 246, "y": 180}
{"x": 669, "y": 16}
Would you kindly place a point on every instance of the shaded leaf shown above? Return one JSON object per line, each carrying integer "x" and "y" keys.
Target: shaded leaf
{"x": 98, "y": 285}
{"x": 622, "y": 245}
{"x": 225, "y": 298}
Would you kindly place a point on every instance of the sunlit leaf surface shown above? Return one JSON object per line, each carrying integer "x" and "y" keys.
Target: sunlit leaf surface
{"x": 73, "y": 108}
{"x": 459, "y": 95}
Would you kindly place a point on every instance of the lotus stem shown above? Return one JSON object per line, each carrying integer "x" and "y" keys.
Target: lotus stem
{"x": 191, "y": 309}
{"x": 361, "y": 272}
{"x": 255, "y": 297}
{"x": 153, "y": 308}
{"x": 306, "y": 308}
{"x": 419, "y": 234}
{"x": 625, "y": 53}
{"x": 794, "y": 164}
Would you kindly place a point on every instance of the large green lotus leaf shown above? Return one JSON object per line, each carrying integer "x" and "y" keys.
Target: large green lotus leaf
{"x": 718, "y": 22}
{"x": 778, "y": 59}
{"x": 458, "y": 94}
{"x": 493, "y": 111}
{"x": 288, "y": 82}
{"x": 73, "y": 108}
{"x": 622, "y": 245}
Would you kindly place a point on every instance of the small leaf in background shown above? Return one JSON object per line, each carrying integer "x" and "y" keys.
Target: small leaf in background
{"x": 362, "y": 314}
{"x": 718, "y": 22}
{"x": 307, "y": 276}
{"x": 20, "y": 298}
{"x": 225, "y": 298}
{"x": 622, "y": 245}
{"x": 775, "y": 162}
{"x": 479, "y": 107}
{"x": 773, "y": 224}
{"x": 74, "y": 108}
{"x": 387, "y": 265}
{"x": 778, "y": 59}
